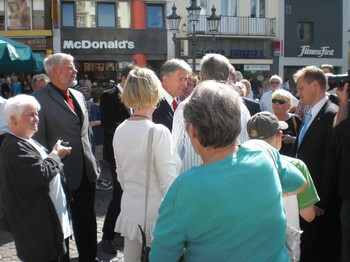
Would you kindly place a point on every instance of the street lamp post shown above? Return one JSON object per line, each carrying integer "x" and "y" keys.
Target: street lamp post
{"x": 193, "y": 18}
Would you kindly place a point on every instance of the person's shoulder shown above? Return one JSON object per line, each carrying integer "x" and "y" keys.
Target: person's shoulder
{"x": 41, "y": 92}
{"x": 265, "y": 95}
{"x": 161, "y": 129}
{"x": 333, "y": 107}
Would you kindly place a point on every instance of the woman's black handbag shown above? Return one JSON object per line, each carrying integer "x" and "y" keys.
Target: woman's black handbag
{"x": 145, "y": 249}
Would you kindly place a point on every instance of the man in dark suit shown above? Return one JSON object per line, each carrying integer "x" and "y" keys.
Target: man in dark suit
{"x": 320, "y": 240}
{"x": 341, "y": 136}
{"x": 173, "y": 75}
{"x": 63, "y": 114}
{"x": 113, "y": 113}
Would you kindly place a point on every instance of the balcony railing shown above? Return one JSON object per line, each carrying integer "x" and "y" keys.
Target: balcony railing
{"x": 239, "y": 26}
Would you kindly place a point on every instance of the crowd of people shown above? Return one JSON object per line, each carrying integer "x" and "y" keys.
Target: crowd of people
{"x": 201, "y": 170}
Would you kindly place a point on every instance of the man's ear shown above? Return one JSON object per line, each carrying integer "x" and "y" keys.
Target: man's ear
{"x": 192, "y": 131}
{"x": 279, "y": 134}
{"x": 13, "y": 120}
{"x": 165, "y": 81}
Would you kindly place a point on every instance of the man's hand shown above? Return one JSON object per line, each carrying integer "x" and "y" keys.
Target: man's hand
{"x": 343, "y": 93}
{"x": 319, "y": 211}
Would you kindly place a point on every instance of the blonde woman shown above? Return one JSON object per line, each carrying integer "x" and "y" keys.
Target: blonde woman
{"x": 142, "y": 92}
{"x": 282, "y": 103}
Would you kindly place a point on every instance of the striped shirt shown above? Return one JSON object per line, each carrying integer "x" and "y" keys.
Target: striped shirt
{"x": 182, "y": 141}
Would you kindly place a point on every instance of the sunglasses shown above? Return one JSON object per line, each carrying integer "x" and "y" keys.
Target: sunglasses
{"x": 274, "y": 82}
{"x": 278, "y": 101}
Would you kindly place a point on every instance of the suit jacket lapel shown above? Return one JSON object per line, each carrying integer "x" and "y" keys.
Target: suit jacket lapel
{"x": 58, "y": 98}
{"x": 78, "y": 99}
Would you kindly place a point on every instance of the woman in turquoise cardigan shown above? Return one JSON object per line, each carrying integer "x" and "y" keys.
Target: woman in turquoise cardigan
{"x": 230, "y": 207}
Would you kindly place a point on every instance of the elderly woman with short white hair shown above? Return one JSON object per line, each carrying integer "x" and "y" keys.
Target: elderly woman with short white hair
{"x": 282, "y": 103}
{"x": 35, "y": 204}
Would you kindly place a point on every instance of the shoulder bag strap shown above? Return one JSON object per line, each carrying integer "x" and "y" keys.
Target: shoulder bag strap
{"x": 148, "y": 169}
{"x": 295, "y": 125}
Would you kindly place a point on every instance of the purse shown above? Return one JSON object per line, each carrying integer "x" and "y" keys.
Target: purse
{"x": 145, "y": 250}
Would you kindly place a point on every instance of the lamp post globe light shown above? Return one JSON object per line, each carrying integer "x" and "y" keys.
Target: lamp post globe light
{"x": 193, "y": 11}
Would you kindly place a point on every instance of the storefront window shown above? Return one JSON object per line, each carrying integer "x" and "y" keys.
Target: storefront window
{"x": 106, "y": 15}
{"x": 38, "y": 15}
{"x": 92, "y": 14}
{"x": 18, "y": 15}
{"x": 257, "y": 8}
{"x": 229, "y": 7}
{"x": 124, "y": 14}
{"x": 86, "y": 13}
{"x": 67, "y": 14}
{"x": 204, "y": 5}
{"x": 2, "y": 15}
{"x": 155, "y": 16}
{"x": 304, "y": 32}
{"x": 22, "y": 15}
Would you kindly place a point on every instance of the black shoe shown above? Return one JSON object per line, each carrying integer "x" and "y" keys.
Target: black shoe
{"x": 109, "y": 247}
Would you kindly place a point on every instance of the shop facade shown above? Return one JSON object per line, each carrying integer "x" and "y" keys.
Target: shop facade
{"x": 309, "y": 38}
{"x": 102, "y": 53}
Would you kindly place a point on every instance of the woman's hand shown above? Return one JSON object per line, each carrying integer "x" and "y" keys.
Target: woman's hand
{"x": 288, "y": 139}
{"x": 61, "y": 149}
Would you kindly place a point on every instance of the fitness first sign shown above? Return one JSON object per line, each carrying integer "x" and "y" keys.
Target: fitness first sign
{"x": 99, "y": 45}
{"x": 323, "y": 51}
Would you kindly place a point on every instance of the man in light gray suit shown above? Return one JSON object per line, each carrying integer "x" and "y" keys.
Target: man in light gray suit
{"x": 63, "y": 114}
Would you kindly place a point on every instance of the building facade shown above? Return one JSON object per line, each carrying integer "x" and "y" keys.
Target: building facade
{"x": 246, "y": 34}
{"x": 259, "y": 37}
{"x": 28, "y": 22}
{"x": 308, "y": 37}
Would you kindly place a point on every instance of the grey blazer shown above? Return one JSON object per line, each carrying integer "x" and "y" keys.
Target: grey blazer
{"x": 56, "y": 119}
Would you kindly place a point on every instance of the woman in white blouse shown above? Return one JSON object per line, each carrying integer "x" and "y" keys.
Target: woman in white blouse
{"x": 142, "y": 92}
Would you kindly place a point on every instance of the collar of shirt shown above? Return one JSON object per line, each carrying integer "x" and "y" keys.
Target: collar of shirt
{"x": 168, "y": 97}
{"x": 317, "y": 107}
{"x": 62, "y": 93}
{"x": 120, "y": 88}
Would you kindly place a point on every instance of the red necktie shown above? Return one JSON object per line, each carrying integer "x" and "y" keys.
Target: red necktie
{"x": 174, "y": 104}
{"x": 69, "y": 101}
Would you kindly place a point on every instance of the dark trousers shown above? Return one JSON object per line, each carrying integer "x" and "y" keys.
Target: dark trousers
{"x": 345, "y": 226}
{"x": 320, "y": 240}
{"x": 113, "y": 206}
{"x": 65, "y": 257}
{"x": 84, "y": 220}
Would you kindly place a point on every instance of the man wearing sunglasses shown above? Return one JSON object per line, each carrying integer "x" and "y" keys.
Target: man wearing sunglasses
{"x": 265, "y": 101}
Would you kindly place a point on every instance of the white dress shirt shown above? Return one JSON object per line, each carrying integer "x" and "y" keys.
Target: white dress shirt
{"x": 182, "y": 141}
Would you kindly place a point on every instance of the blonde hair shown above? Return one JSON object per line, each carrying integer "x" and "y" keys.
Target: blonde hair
{"x": 281, "y": 93}
{"x": 142, "y": 89}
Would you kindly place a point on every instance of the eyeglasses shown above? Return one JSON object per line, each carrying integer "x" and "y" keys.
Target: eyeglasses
{"x": 278, "y": 101}
{"x": 274, "y": 82}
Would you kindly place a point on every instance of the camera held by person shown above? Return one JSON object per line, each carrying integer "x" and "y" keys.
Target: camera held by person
{"x": 337, "y": 80}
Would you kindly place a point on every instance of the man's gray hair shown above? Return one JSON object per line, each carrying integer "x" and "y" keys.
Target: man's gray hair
{"x": 215, "y": 67}
{"x": 170, "y": 66}
{"x": 55, "y": 59}
{"x": 15, "y": 105}
{"x": 214, "y": 109}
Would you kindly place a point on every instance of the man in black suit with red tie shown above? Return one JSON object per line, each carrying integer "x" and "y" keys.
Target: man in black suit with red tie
{"x": 173, "y": 75}
{"x": 113, "y": 113}
{"x": 320, "y": 240}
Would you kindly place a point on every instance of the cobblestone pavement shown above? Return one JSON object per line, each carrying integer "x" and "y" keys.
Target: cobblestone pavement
{"x": 8, "y": 250}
